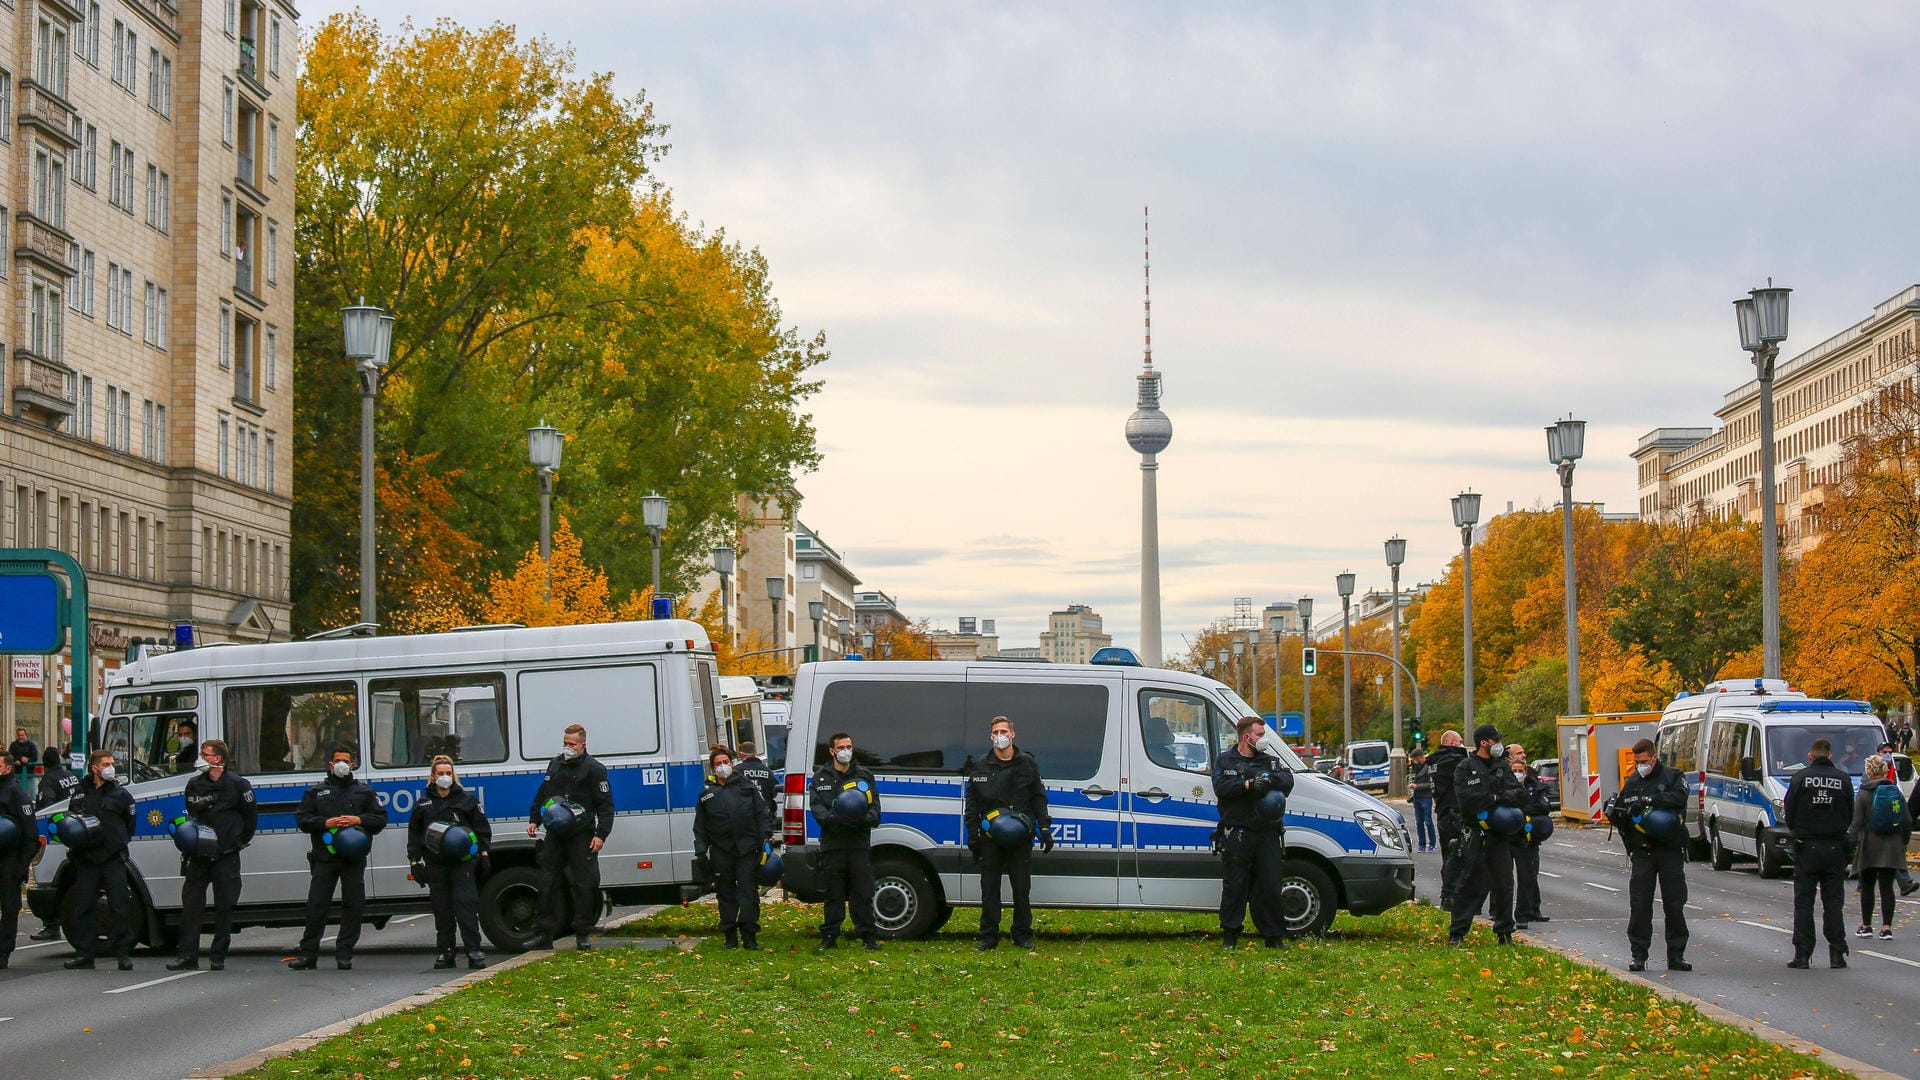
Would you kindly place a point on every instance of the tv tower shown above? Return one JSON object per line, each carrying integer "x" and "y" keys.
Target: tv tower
{"x": 1148, "y": 432}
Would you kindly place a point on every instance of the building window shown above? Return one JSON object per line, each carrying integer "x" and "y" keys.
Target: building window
{"x": 273, "y": 252}
{"x": 269, "y": 461}
{"x": 153, "y": 79}
{"x": 126, "y": 422}
{"x": 43, "y": 319}
{"x": 49, "y": 186}
{"x": 119, "y": 52}
{"x": 160, "y": 305}
{"x": 273, "y": 343}
{"x": 113, "y": 295}
{"x": 146, "y": 428}
{"x": 76, "y": 167}
{"x": 113, "y": 415}
{"x": 6, "y": 105}
{"x": 153, "y": 195}
{"x": 50, "y": 60}
{"x": 73, "y": 279}
{"x": 151, "y": 330}
{"x": 273, "y": 148}
{"x": 166, "y": 202}
{"x": 226, "y": 112}
{"x": 90, "y": 35}
{"x": 91, "y": 162}
{"x": 166, "y": 87}
{"x": 226, "y": 335}
{"x": 223, "y": 439}
{"x": 273, "y": 48}
{"x": 160, "y": 440}
{"x": 126, "y": 179}
{"x": 226, "y": 224}
{"x": 113, "y": 172}
{"x": 232, "y": 23}
{"x": 86, "y": 407}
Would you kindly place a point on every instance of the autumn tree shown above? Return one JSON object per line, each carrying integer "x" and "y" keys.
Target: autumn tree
{"x": 1692, "y": 605}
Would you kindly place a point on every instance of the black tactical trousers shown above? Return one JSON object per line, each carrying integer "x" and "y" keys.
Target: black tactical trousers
{"x": 848, "y": 874}
{"x": 1017, "y": 865}
{"x": 736, "y": 885}
{"x": 1820, "y": 865}
{"x": 89, "y": 880}
{"x": 1452, "y": 835}
{"x": 351, "y": 877}
{"x": 223, "y": 874}
{"x": 1486, "y": 868}
{"x": 1255, "y": 865}
{"x": 569, "y": 868}
{"x": 455, "y": 896}
{"x": 13, "y": 873}
{"x": 1667, "y": 868}
{"x": 1526, "y": 881}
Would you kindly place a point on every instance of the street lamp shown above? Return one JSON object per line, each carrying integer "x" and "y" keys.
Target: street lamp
{"x": 1397, "y": 773}
{"x": 1239, "y": 663}
{"x": 1209, "y": 665}
{"x": 1763, "y": 326}
{"x": 368, "y": 334}
{"x": 1306, "y": 681}
{"x": 1253, "y": 674}
{"x": 1466, "y": 514}
{"x": 1277, "y": 624}
{"x": 776, "y": 589}
{"x": 723, "y": 565}
{"x": 866, "y": 642}
{"x": 1565, "y": 441}
{"x": 1344, "y": 583}
{"x": 886, "y": 649}
{"x": 653, "y": 514}
{"x": 845, "y": 628}
{"x": 543, "y": 451}
{"x": 816, "y": 611}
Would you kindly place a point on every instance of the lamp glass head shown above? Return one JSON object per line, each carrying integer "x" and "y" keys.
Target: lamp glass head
{"x": 723, "y": 558}
{"x": 1770, "y": 306}
{"x": 1466, "y": 509}
{"x": 653, "y": 511}
{"x": 1396, "y": 551}
{"x": 543, "y": 446}
{"x": 1746, "y": 313}
{"x": 1344, "y": 583}
{"x": 359, "y": 326}
{"x": 776, "y": 588}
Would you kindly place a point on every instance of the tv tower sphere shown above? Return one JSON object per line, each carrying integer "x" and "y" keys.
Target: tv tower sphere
{"x": 1148, "y": 429}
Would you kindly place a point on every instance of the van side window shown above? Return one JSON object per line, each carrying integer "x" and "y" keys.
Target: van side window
{"x": 619, "y": 707}
{"x": 461, "y": 716}
{"x": 897, "y": 726}
{"x": 289, "y": 727}
{"x": 150, "y": 743}
{"x": 1174, "y": 730}
{"x": 1680, "y": 746}
{"x": 1725, "y": 746}
{"x": 1063, "y": 725}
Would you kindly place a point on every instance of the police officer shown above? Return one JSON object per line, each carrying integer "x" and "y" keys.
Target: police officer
{"x": 1819, "y": 811}
{"x": 452, "y": 886}
{"x": 14, "y": 855}
{"x": 223, "y": 800}
{"x": 188, "y": 732}
{"x": 1654, "y": 785}
{"x": 752, "y": 767}
{"x": 57, "y": 784}
{"x": 1526, "y": 852}
{"x": 1481, "y": 782}
{"x": 338, "y": 802}
{"x": 574, "y": 775}
{"x": 1445, "y": 761}
{"x": 1252, "y": 844}
{"x": 101, "y": 865}
{"x": 731, "y": 821}
{"x": 1008, "y": 780}
{"x": 845, "y": 861}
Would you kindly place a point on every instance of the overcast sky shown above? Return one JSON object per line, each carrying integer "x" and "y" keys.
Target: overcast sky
{"x": 1391, "y": 242}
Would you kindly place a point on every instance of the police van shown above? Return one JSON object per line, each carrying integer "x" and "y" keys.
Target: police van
{"x": 1367, "y": 764}
{"x": 1739, "y": 744}
{"x": 495, "y": 699}
{"x": 1132, "y": 812}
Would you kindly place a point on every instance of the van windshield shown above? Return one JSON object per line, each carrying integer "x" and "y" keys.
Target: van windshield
{"x": 1852, "y": 744}
{"x": 1369, "y": 754}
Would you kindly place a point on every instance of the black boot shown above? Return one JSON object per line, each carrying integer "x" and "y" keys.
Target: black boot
{"x": 1837, "y": 958}
{"x": 185, "y": 963}
{"x": 872, "y": 943}
{"x": 303, "y": 963}
{"x": 79, "y": 963}
{"x": 829, "y": 941}
{"x": 444, "y": 959}
{"x": 732, "y": 941}
{"x": 125, "y": 962}
{"x": 1229, "y": 939}
{"x": 476, "y": 959}
{"x": 987, "y": 944}
{"x": 750, "y": 941}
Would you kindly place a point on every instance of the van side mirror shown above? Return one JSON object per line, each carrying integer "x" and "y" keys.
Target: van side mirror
{"x": 1748, "y": 770}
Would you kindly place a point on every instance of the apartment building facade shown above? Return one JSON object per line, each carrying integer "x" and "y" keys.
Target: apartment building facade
{"x": 1073, "y": 635}
{"x": 147, "y": 367}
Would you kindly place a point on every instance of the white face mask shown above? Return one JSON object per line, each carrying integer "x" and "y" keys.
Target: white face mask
{"x": 568, "y": 753}
{"x": 342, "y": 769}
{"x": 106, "y": 773}
{"x": 1001, "y": 742}
{"x": 1499, "y": 749}
{"x": 723, "y": 770}
{"x": 844, "y": 757}
{"x": 444, "y": 783}
{"x": 1643, "y": 769}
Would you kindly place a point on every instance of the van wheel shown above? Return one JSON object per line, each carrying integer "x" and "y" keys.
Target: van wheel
{"x": 1308, "y": 897}
{"x": 940, "y": 917}
{"x": 1772, "y": 863}
{"x": 102, "y": 920}
{"x": 1722, "y": 858}
{"x": 906, "y": 904}
{"x": 510, "y": 907}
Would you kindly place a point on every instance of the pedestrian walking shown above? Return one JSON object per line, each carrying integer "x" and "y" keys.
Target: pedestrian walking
{"x": 222, "y": 800}
{"x": 1879, "y": 835}
{"x": 1483, "y": 783}
{"x": 341, "y": 816}
{"x": 730, "y": 825}
{"x": 17, "y": 842}
{"x": 846, "y": 839}
{"x": 1452, "y": 831}
{"x": 100, "y": 862}
{"x": 1005, "y": 783}
{"x": 1526, "y": 852}
{"x": 449, "y": 845}
{"x": 1657, "y": 852}
{"x": 1420, "y": 790}
{"x": 1251, "y": 835}
{"x": 1819, "y": 812}
{"x": 570, "y": 853}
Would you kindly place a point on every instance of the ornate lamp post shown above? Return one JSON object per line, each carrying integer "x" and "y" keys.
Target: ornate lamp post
{"x": 1565, "y": 441}
{"x": 368, "y": 334}
{"x": 1763, "y": 326}
{"x": 1466, "y": 514}
{"x": 543, "y": 451}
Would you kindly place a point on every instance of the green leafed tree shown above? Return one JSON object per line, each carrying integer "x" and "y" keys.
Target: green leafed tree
{"x": 1693, "y": 602}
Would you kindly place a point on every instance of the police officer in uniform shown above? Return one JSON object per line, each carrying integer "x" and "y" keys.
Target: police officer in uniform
{"x": 223, "y": 800}
{"x": 57, "y": 784}
{"x": 573, "y": 774}
{"x": 1819, "y": 811}
{"x": 731, "y": 821}
{"x": 1526, "y": 851}
{"x": 1481, "y": 782}
{"x": 1252, "y": 845}
{"x": 337, "y": 802}
{"x": 452, "y": 887}
{"x": 101, "y": 866}
{"x": 14, "y": 856}
{"x": 845, "y": 859}
{"x": 1446, "y": 807}
{"x": 752, "y": 767}
{"x": 1008, "y": 780}
{"x": 1654, "y": 785}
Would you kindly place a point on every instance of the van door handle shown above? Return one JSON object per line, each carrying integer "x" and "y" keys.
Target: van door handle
{"x": 1095, "y": 792}
{"x": 1153, "y": 793}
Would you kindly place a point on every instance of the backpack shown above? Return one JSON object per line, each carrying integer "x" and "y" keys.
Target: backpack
{"x": 1889, "y": 813}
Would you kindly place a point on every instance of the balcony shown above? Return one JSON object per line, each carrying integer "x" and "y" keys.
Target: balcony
{"x": 249, "y": 69}
{"x": 41, "y": 392}
{"x": 42, "y": 243}
{"x": 42, "y": 109}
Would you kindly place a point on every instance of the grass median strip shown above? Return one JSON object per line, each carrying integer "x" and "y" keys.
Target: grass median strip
{"x": 1106, "y": 994}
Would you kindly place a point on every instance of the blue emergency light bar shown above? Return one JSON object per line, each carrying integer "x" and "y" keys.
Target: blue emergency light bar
{"x": 1816, "y": 706}
{"x": 1116, "y": 655}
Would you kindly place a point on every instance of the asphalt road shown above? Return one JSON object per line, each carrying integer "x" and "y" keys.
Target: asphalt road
{"x": 150, "y": 1022}
{"x": 1739, "y": 925}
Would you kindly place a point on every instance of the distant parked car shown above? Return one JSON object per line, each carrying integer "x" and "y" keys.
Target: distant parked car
{"x": 1549, "y": 770}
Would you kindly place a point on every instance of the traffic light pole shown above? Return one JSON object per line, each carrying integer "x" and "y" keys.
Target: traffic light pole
{"x": 1411, "y": 681}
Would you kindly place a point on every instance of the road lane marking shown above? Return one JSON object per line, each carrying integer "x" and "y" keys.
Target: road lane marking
{"x": 156, "y": 982}
{"x": 409, "y": 918}
{"x": 1884, "y": 956}
{"x": 1597, "y": 885}
{"x": 41, "y": 945}
{"x": 1768, "y": 926}
{"x": 1543, "y": 873}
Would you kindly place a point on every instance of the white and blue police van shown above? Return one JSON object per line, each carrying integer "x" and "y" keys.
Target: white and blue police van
{"x": 495, "y": 699}
{"x": 1739, "y": 744}
{"x": 1133, "y": 812}
{"x": 1366, "y": 761}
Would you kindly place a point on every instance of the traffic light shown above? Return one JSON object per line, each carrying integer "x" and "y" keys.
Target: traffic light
{"x": 1414, "y": 729}
{"x": 1309, "y": 661}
